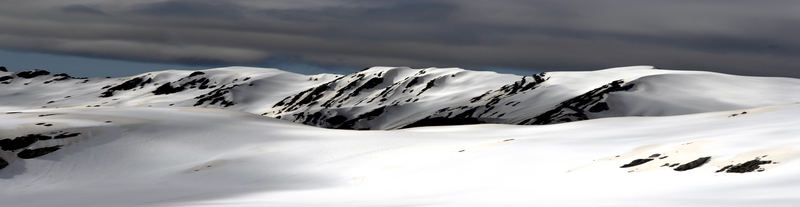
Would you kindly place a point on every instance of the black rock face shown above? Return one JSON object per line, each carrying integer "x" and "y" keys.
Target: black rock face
{"x": 3, "y": 68}
{"x": 428, "y": 85}
{"x": 20, "y": 142}
{"x": 444, "y": 121}
{"x": 336, "y": 120}
{"x": 217, "y": 96}
{"x": 127, "y": 85}
{"x": 32, "y": 73}
{"x": 745, "y": 167}
{"x": 196, "y": 73}
{"x": 464, "y": 118}
{"x": 5, "y": 78}
{"x": 602, "y": 106}
{"x": 38, "y": 152}
{"x": 636, "y": 162}
{"x": 413, "y": 82}
{"x": 167, "y": 89}
{"x": 66, "y": 135}
{"x": 350, "y": 124}
{"x": 693, "y": 164}
{"x": 3, "y": 163}
{"x": 371, "y": 83}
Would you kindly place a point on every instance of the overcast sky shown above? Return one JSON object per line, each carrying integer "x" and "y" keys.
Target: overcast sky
{"x": 732, "y": 36}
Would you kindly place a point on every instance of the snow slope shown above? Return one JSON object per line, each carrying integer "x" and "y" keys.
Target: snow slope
{"x": 157, "y": 156}
{"x": 398, "y": 97}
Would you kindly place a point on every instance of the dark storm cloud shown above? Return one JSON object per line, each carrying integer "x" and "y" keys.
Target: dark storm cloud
{"x": 191, "y": 9}
{"x": 736, "y": 36}
{"x": 82, "y": 9}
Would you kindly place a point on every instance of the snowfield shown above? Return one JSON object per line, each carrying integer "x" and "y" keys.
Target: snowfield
{"x": 666, "y": 138}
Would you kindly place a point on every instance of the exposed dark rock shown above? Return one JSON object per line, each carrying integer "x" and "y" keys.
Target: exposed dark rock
{"x": 636, "y": 162}
{"x": 32, "y": 73}
{"x": 66, "y": 135}
{"x": 20, "y": 142}
{"x": 602, "y": 106}
{"x": 62, "y": 75}
{"x": 429, "y": 85}
{"x": 127, "y": 85}
{"x": 5, "y": 78}
{"x": 412, "y": 82}
{"x": 196, "y": 73}
{"x": 304, "y": 97}
{"x": 349, "y": 124}
{"x": 3, "y": 163}
{"x": 3, "y": 68}
{"x": 335, "y": 99}
{"x": 38, "y": 152}
{"x": 371, "y": 83}
{"x": 464, "y": 118}
{"x": 746, "y": 167}
{"x": 216, "y": 96}
{"x": 336, "y": 120}
{"x": 443, "y": 121}
{"x": 167, "y": 89}
{"x": 693, "y": 164}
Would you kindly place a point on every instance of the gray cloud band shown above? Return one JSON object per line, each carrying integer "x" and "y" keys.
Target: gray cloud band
{"x": 740, "y": 37}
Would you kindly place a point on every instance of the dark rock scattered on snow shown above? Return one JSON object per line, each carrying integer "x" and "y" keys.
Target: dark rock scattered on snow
{"x": 127, "y": 85}
{"x": 167, "y": 88}
{"x": 636, "y": 162}
{"x": 66, "y": 135}
{"x": 196, "y": 73}
{"x": 216, "y": 96}
{"x": 38, "y": 152}
{"x": 20, "y": 142}
{"x": 5, "y": 78}
{"x": 32, "y": 73}
{"x": 746, "y": 167}
{"x": 3, "y": 163}
{"x": 693, "y": 164}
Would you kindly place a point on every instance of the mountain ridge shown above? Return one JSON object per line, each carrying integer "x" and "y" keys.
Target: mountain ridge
{"x": 385, "y": 97}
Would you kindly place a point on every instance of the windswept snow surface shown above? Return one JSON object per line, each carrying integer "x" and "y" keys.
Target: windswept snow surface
{"x": 148, "y": 156}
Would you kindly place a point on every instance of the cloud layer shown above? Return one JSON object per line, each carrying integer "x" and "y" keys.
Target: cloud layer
{"x": 735, "y": 36}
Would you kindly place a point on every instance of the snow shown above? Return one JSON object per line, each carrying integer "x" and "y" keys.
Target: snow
{"x": 185, "y": 157}
{"x": 139, "y": 151}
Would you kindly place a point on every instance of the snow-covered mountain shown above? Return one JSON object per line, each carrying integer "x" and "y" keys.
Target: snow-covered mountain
{"x": 392, "y": 97}
{"x": 254, "y": 88}
{"x": 211, "y": 138}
